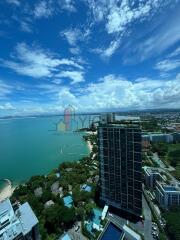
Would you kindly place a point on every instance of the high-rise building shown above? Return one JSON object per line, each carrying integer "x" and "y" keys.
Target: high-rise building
{"x": 120, "y": 164}
{"x": 18, "y": 222}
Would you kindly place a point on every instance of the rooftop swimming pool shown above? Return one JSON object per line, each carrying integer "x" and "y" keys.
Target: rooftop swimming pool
{"x": 112, "y": 232}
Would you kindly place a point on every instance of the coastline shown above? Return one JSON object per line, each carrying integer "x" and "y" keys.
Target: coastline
{"x": 90, "y": 146}
{"x": 6, "y": 192}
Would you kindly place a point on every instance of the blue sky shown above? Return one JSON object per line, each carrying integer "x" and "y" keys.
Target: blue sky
{"x": 94, "y": 55}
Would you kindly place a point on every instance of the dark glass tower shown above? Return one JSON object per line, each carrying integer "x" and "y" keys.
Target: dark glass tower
{"x": 120, "y": 164}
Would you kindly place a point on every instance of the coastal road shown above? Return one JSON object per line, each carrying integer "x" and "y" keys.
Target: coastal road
{"x": 148, "y": 220}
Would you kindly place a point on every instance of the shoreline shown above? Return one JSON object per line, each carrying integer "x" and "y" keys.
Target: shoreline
{"x": 8, "y": 189}
{"x": 6, "y": 192}
{"x": 90, "y": 146}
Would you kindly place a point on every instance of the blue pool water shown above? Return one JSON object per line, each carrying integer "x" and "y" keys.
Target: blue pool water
{"x": 112, "y": 232}
{"x": 96, "y": 219}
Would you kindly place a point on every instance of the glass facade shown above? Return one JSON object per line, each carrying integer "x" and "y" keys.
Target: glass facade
{"x": 120, "y": 166}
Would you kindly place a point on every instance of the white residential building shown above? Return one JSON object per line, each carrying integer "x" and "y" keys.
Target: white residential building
{"x": 167, "y": 195}
{"x": 17, "y": 222}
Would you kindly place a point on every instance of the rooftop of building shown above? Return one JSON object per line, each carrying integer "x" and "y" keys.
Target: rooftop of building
{"x": 65, "y": 237}
{"x": 68, "y": 201}
{"x": 15, "y": 222}
{"x": 27, "y": 218}
{"x": 151, "y": 170}
{"x": 86, "y": 188}
{"x": 169, "y": 188}
{"x": 119, "y": 124}
{"x": 113, "y": 120}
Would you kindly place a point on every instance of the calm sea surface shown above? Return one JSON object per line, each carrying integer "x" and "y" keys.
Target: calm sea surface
{"x": 33, "y": 146}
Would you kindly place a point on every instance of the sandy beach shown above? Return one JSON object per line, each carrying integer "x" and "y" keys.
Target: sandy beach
{"x": 90, "y": 146}
{"x": 6, "y": 192}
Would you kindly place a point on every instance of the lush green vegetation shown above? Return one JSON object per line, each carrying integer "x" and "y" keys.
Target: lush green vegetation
{"x": 173, "y": 226}
{"x": 173, "y": 155}
{"x": 56, "y": 218}
{"x": 161, "y": 148}
{"x": 147, "y": 160}
{"x": 170, "y": 154}
{"x": 150, "y": 125}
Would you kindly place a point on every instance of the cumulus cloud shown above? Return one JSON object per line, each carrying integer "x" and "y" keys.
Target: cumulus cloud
{"x": 109, "y": 92}
{"x": 118, "y": 93}
{"x": 37, "y": 63}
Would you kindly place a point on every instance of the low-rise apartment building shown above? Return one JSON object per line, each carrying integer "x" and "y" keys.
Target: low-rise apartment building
{"x": 167, "y": 195}
{"x": 151, "y": 175}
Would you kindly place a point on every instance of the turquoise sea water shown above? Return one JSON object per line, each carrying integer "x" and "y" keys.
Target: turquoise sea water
{"x": 31, "y": 146}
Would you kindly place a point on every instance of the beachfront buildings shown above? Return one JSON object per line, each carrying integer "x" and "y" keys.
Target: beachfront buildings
{"x": 17, "y": 222}
{"x": 120, "y": 164}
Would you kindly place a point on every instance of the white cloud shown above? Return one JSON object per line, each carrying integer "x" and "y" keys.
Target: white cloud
{"x": 74, "y": 37}
{"x": 109, "y": 51}
{"x": 75, "y": 50}
{"x": 43, "y": 9}
{"x": 7, "y": 106}
{"x": 115, "y": 92}
{"x": 68, "y": 5}
{"x": 109, "y": 92}
{"x": 166, "y": 36}
{"x": 5, "y": 89}
{"x": 118, "y": 16}
{"x": 75, "y": 76}
{"x": 167, "y": 65}
{"x": 25, "y": 26}
{"x": 65, "y": 97}
{"x": 36, "y": 62}
{"x": 175, "y": 53}
{"x": 121, "y": 16}
{"x": 15, "y": 2}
